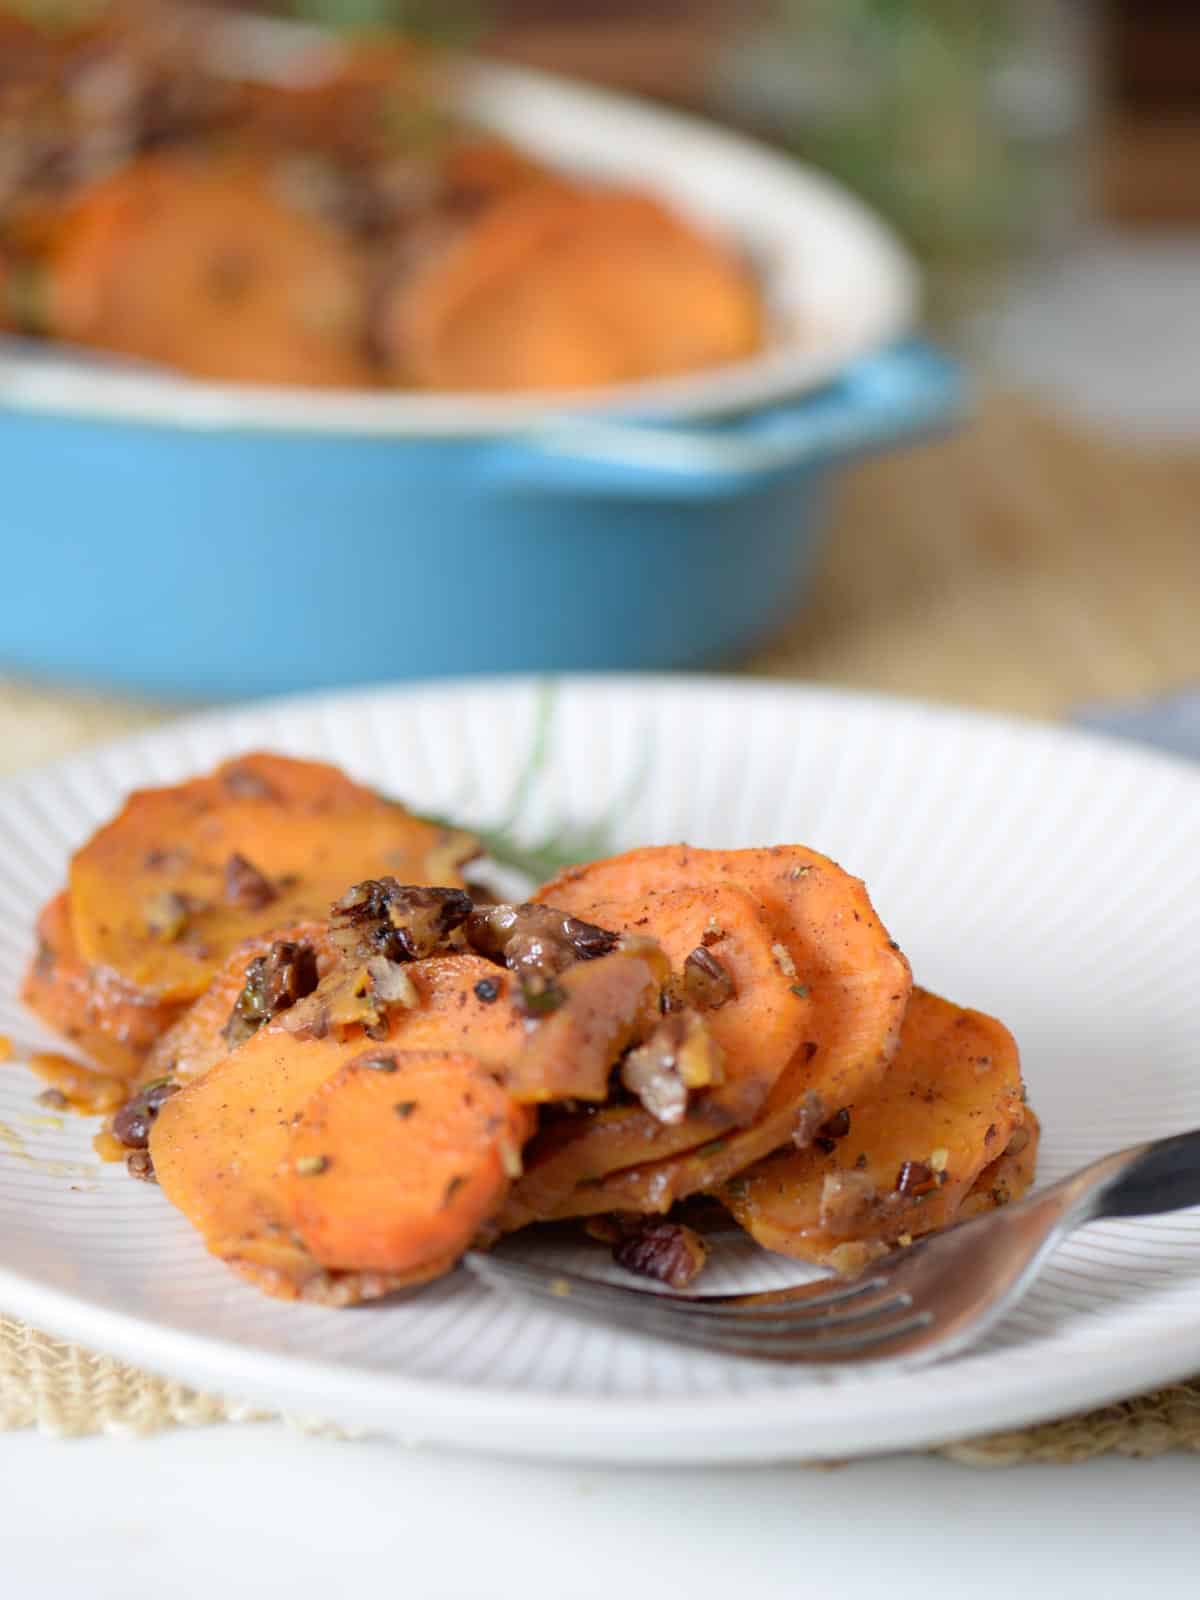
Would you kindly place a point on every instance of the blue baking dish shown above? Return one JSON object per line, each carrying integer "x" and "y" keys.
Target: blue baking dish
{"x": 201, "y": 540}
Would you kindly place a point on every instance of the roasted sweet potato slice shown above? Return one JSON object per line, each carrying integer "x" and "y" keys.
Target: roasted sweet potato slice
{"x": 721, "y": 947}
{"x": 848, "y": 984}
{"x": 565, "y": 287}
{"x": 846, "y": 974}
{"x": 900, "y": 1162}
{"x": 400, "y": 1158}
{"x": 185, "y": 874}
{"x": 113, "y": 1023}
{"x": 1010, "y": 1176}
{"x": 203, "y": 266}
{"x": 220, "y": 1145}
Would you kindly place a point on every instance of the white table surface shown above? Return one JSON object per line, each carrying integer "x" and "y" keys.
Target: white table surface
{"x": 262, "y": 1510}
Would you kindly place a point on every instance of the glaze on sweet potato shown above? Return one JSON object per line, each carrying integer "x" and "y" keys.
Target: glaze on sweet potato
{"x": 400, "y": 1159}
{"x": 110, "y": 1021}
{"x": 155, "y": 897}
{"x": 202, "y": 265}
{"x": 557, "y": 287}
{"x": 910, "y": 1152}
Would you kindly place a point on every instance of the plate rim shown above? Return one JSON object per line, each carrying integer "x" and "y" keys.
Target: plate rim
{"x": 811, "y": 1420}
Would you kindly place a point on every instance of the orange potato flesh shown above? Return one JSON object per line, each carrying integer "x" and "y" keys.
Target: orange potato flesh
{"x": 560, "y": 287}
{"x": 306, "y": 826}
{"x": 201, "y": 265}
{"x": 220, "y": 1145}
{"x": 399, "y": 1159}
{"x": 952, "y": 1099}
{"x": 113, "y": 1023}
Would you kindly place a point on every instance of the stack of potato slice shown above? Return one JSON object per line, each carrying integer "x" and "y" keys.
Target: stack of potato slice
{"x": 343, "y": 228}
{"x": 345, "y": 1071}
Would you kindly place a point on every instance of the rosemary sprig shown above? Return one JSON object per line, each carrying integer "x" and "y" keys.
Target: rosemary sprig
{"x": 568, "y": 843}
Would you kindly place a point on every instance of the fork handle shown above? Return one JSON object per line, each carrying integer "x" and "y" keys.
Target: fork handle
{"x": 1152, "y": 1178}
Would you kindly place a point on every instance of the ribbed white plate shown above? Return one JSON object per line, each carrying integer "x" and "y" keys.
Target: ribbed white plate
{"x": 1046, "y": 876}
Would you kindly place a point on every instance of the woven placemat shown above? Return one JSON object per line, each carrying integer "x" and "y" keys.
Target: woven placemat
{"x": 68, "y": 1392}
{"x": 1021, "y": 565}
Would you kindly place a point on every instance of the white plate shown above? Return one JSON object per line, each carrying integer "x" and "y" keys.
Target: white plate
{"x": 1050, "y": 877}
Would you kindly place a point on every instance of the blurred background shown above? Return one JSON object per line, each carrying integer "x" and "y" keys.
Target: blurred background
{"x": 1041, "y": 158}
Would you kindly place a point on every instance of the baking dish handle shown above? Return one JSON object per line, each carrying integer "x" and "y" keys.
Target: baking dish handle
{"x": 900, "y": 393}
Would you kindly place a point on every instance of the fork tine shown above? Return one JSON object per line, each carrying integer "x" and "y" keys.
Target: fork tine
{"x": 673, "y": 1313}
{"x": 647, "y": 1313}
{"x": 798, "y": 1304}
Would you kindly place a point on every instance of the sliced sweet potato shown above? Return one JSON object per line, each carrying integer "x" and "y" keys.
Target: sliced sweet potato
{"x": 220, "y": 1145}
{"x": 848, "y": 983}
{"x": 900, "y": 1162}
{"x": 564, "y": 287}
{"x": 400, "y": 1158}
{"x": 203, "y": 266}
{"x": 113, "y": 1023}
{"x": 721, "y": 946}
{"x": 722, "y": 949}
{"x": 199, "y": 1039}
{"x": 847, "y": 975}
{"x": 1010, "y": 1176}
{"x": 185, "y": 874}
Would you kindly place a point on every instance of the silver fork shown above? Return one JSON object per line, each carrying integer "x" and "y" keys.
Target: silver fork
{"x": 915, "y": 1305}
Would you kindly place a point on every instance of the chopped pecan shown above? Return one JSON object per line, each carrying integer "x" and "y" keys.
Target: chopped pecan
{"x": 838, "y": 1125}
{"x": 402, "y": 922}
{"x": 275, "y": 982}
{"x": 138, "y": 1164}
{"x": 131, "y": 1124}
{"x": 830, "y": 1131}
{"x": 354, "y": 992}
{"x": 537, "y": 942}
{"x": 915, "y": 1179}
{"x": 707, "y": 983}
{"x": 669, "y": 1252}
{"x": 246, "y": 886}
